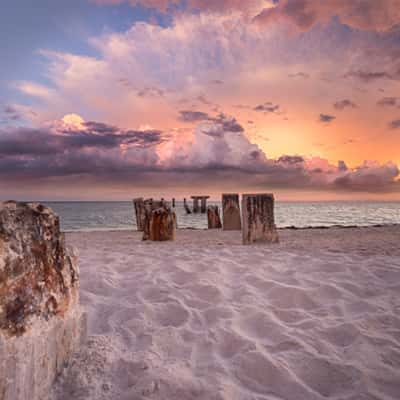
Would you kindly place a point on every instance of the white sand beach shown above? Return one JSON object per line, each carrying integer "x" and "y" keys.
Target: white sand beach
{"x": 314, "y": 317}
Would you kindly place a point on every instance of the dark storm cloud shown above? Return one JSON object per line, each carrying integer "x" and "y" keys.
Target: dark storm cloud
{"x": 97, "y": 147}
{"x": 28, "y": 142}
{"x": 326, "y": 118}
{"x": 111, "y": 140}
{"x": 342, "y": 104}
{"x": 100, "y": 127}
{"x": 105, "y": 153}
{"x": 267, "y": 107}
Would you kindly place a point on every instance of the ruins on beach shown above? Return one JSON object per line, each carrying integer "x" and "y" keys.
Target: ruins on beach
{"x": 256, "y": 220}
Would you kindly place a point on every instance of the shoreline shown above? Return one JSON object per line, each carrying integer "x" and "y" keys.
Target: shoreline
{"x": 284, "y": 228}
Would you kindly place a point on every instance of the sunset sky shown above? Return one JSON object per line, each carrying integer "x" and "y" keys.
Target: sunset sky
{"x": 107, "y": 99}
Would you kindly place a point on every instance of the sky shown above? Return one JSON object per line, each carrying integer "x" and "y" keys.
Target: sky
{"x": 114, "y": 99}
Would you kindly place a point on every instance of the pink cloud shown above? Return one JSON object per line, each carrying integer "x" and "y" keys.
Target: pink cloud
{"x": 368, "y": 15}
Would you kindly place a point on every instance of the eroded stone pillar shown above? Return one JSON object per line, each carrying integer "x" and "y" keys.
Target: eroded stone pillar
{"x": 231, "y": 212}
{"x": 258, "y": 219}
{"x": 160, "y": 223}
{"x": 213, "y": 218}
{"x": 41, "y": 323}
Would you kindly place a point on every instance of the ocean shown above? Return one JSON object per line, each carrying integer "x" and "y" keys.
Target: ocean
{"x": 87, "y": 216}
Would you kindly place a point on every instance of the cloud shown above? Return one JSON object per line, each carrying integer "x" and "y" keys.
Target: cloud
{"x": 267, "y": 107}
{"x": 299, "y": 75}
{"x": 387, "y": 102}
{"x": 342, "y": 104}
{"x": 35, "y": 90}
{"x": 193, "y": 116}
{"x": 195, "y": 5}
{"x": 368, "y": 76}
{"x": 395, "y": 124}
{"x": 326, "y": 118}
{"x": 218, "y": 145}
{"x": 61, "y": 150}
{"x": 10, "y": 113}
{"x": 342, "y": 167}
{"x": 367, "y": 176}
{"x": 366, "y": 15}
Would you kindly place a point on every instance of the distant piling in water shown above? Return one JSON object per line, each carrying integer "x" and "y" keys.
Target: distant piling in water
{"x": 186, "y": 207}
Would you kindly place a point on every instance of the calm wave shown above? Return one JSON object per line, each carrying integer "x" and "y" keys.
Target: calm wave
{"x": 80, "y": 216}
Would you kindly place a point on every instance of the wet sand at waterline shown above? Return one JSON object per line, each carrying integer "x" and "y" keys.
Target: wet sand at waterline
{"x": 314, "y": 317}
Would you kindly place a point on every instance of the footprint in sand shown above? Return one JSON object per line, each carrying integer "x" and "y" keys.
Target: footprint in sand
{"x": 230, "y": 343}
{"x": 171, "y": 314}
{"x": 326, "y": 377}
{"x": 262, "y": 375}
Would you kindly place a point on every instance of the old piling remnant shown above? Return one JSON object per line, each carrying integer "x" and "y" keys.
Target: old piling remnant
{"x": 186, "y": 207}
{"x": 258, "y": 219}
{"x": 231, "y": 212}
{"x": 41, "y": 323}
{"x": 196, "y": 208}
{"x": 203, "y": 202}
{"x": 160, "y": 223}
{"x": 139, "y": 213}
{"x": 213, "y": 218}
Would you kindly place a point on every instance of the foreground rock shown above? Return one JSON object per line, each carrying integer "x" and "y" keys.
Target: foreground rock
{"x": 213, "y": 218}
{"x": 231, "y": 212}
{"x": 258, "y": 219}
{"x": 160, "y": 222}
{"x": 41, "y": 323}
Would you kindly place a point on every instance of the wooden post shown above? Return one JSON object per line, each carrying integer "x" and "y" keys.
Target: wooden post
{"x": 173, "y": 202}
{"x": 258, "y": 219}
{"x": 187, "y": 208}
{"x": 195, "y": 204}
{"x": 160, "y": 223}
{"x": 231, "y": 212}
{"x": 139, "y": 205}
{"x": 214, "y": 221}
{"x": 204, "y": 204}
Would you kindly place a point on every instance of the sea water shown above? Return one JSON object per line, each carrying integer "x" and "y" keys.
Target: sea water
{"x": 86, "y": 216}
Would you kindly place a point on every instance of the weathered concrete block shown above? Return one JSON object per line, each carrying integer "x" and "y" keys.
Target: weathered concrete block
{"x": 214, "y": 220}
{"x": 41, "y": 323}
{"x": 258, "y": 219}
{"x": 160, "y": 224}
{"x": 231, "y": 212}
